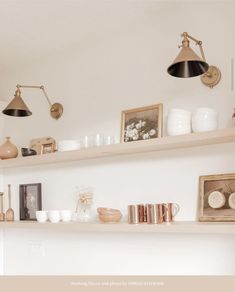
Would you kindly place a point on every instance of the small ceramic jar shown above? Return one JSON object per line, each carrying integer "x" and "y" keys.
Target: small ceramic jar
{"x": 178, "y": 122}
{"x": 204, "y": 119}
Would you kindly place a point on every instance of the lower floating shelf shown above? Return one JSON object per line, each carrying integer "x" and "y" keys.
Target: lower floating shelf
{"x": 176, "y": 227}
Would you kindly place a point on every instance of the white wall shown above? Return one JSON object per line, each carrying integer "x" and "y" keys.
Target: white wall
{"x": 95, "y": 80}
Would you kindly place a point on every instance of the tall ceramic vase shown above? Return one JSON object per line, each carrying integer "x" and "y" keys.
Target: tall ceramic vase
{"x": 8, "y": 150}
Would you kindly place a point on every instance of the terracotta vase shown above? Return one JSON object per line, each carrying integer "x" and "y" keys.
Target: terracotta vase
{"x": 8, "y": 150}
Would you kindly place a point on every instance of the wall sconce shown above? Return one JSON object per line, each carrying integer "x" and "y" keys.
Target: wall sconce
{"x": 189, "y": 64}
{"x": 18, "y": 108}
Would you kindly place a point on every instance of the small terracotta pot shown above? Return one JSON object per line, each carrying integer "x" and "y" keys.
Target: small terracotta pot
{"x": 8, "y": 150}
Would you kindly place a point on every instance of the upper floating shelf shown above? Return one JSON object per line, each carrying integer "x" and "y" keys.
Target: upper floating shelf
{"x": 160, "y": 144}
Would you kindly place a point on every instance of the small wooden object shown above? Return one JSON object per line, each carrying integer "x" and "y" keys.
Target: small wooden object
{"x": 40, "y": 145}
{"x": 2, "y": 215}
{"x": 10, "y": 212}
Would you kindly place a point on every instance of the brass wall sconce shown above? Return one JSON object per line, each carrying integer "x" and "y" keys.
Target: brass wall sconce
{"x": 189, "y": 64}
{"x": 18, "y": 108}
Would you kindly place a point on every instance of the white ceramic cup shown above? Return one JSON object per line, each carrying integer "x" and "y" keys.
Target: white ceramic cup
{"x": 66, "y": 215}
{"x": 54, "y": 216}
{"x": 41, "y": 216}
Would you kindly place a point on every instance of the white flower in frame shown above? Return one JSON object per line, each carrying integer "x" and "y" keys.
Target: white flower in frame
{"x": 132, "y": 133}
{"x": 138, "y": 126}
{"x": 152, "y": 132}
{"x": 136, "y": 137}
{"x": 146, "y": 136}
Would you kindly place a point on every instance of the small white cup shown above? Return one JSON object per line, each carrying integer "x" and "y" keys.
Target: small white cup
{"x": 41, "y": 216}
{"x": 66, "y": 215}
{"x": 54, "y": 216}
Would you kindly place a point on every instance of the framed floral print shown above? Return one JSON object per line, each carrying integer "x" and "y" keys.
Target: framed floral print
{"x": 142, "y": 123}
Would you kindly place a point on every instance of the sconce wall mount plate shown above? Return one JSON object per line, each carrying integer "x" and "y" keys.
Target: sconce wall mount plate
{"x": 56, "y": 110}
{"x": 211, "y": 77}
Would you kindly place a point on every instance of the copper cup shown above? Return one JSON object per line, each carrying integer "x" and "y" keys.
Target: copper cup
{"x": 154, "y": 213}
{"x": 170, "y": 210}
{"x": 136, "y": 214}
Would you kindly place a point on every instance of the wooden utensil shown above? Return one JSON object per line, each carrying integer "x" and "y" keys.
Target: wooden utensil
{"x": 2, "y": 215}
{"x": 9, "y": 213}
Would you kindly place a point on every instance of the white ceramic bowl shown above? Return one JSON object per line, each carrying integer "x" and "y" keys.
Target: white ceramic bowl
{"x": 176, "y": 111}
{"x": 204, "y": 119}
{"x": 54, "y": 216}
{"x": 178, "y": 122}
{"x": 66, "y": 215}
{"x": 68, "y": 145}
{"x": 41, "y": 216}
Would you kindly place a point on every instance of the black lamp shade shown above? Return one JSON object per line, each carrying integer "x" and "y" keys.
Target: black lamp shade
{"x": 187, "y": 69}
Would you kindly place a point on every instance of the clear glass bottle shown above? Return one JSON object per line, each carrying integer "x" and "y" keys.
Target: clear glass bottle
{"x": 84, "y": 205}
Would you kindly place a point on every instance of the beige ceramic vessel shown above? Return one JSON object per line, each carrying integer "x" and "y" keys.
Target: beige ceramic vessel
{"x": 8, "y": 150}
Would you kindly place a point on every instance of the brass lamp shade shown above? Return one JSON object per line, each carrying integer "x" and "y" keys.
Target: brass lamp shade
{"x": 187, "y": 64}
{"x": 17, "y": 107}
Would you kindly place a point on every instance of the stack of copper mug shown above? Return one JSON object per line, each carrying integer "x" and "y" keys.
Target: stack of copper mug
{"x": 152, "y": 213}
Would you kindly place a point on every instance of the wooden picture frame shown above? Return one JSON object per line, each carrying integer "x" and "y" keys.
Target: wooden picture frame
{"x": 217, "y": 197}
{"x": 142, "y": 123}
{"x": 42, "y": 144}
{"x": 47, "y": 148}
{"x": 30, "y": 200}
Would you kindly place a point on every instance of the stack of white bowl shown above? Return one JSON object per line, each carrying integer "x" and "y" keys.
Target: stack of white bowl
{"x": 179, "y": 122}
{"x": 68, "y": 145}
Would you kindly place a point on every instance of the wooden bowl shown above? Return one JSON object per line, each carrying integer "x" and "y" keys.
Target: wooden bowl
{"x": 110, "y": 218}
{"x": 107, "y": 211}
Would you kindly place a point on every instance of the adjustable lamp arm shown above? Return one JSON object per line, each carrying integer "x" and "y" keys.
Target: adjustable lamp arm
{"x": 185, "y": 42}
{"x": 56, "y": 109}
{"x": 39, "y": 87}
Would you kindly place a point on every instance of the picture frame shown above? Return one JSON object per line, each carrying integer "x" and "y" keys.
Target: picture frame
{"x": 47, "y": 148}
{"x": 43, "y": 144}
{"x": 30, "y": 200}
{"x": 217, "y": 198}
{"x": 142, "y": 123}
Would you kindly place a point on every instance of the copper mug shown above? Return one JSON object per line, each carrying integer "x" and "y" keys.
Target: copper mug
{"x": 170, "y": 210}
{"x": 154, "y": 213}
{"x": 136, "y": 214}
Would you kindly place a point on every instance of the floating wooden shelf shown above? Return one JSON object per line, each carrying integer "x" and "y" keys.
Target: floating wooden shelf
{"x": 160, "y": 144}
{"x": 176, "y": 227}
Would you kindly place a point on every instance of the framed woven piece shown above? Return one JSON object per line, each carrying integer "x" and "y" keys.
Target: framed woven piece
{"x": 217, "y": 197}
